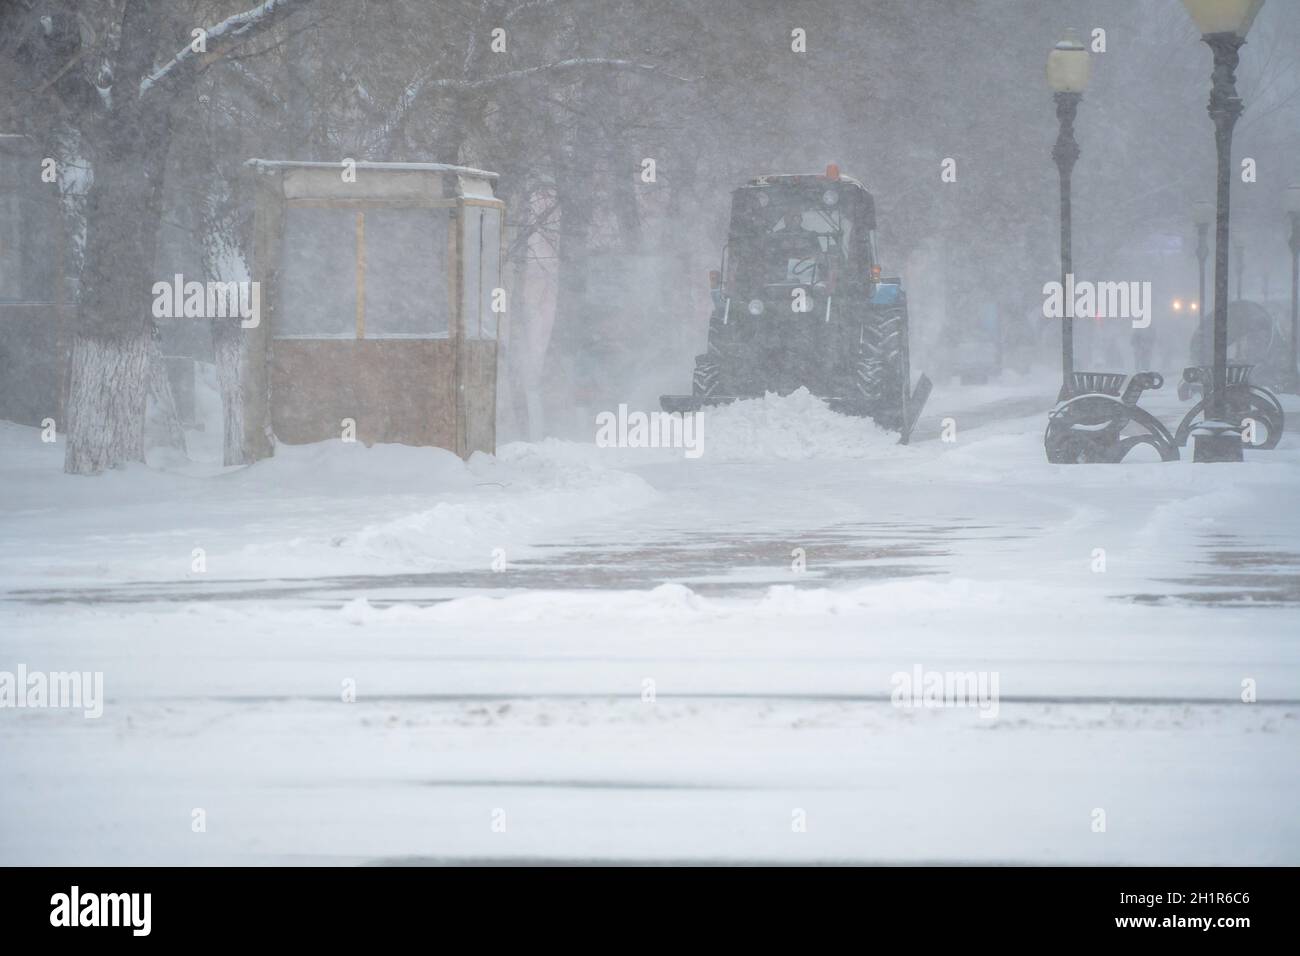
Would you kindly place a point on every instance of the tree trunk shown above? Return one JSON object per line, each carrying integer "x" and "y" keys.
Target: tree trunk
{"x": 455, "y": 129}
{"x": 108, "y": 377}
{"x": 227, "y": 347}
{"x": 564, "y": 368}
{"x": 108, "y": 385}
{"x": 225, "y": 260}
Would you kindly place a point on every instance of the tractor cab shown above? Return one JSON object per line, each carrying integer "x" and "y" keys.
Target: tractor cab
{"x": 800, "y": 303}
{"x": 815, "y": 234}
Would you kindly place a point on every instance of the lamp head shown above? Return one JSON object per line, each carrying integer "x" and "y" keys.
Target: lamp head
{"x": 1068, "y": 65}
{"x": 1224, "y": 16}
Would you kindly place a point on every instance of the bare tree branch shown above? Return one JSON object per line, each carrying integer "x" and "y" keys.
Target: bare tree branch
{"x": 422, "y": 84}
{"x": 577, "y": 63}
{"x": 242, "y": 25}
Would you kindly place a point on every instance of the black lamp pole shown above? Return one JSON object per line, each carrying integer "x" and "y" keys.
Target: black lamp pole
{"x": 1240, "y": 251}
{"x": 1293, "y": 370}
{"x": 1217, "y": 439}
{"x": 1066, "y": 153}
{"x": 1202, "y": 251}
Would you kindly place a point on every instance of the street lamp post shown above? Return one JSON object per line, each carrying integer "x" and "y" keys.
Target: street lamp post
{"x": 1239, "y": 250}
{"x": 1067, "y": 75}
{"x": 1202, "y": 215}
{"x": 1292, "y": 203}
{"x": 1223, "y": 25}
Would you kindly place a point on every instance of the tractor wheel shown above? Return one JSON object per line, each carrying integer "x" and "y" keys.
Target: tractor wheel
{"x": 879, "y": 368}
{"x": 869, "y": 381}
{"x": 707, "y": 375}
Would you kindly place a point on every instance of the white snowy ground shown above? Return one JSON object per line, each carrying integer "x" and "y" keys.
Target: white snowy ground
{"x": 521, "y": 695}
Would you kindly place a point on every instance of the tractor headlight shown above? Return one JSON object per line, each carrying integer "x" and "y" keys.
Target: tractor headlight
{"x": 830, "y": 197}
{"x": 755, "y": 306}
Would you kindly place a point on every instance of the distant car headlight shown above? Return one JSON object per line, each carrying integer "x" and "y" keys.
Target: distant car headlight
{"x": 755, "y": 306}
{"x": 830, "y": 197}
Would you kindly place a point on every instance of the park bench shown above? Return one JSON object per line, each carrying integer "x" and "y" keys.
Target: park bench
{"x": 1244, "y": 401}
{"x": 1088, "y": 425}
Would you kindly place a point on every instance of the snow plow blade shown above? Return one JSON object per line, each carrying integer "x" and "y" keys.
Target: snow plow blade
{"x": 920, "y": 395}
{"x": 693, "y": 403}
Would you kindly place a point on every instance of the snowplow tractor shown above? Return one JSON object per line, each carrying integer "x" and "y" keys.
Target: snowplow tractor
{"x": 800, "y": 302}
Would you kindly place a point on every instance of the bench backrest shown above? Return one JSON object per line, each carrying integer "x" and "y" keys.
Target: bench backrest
{"x": 1098, "y": 383}
{"x": 1204, "y": 374}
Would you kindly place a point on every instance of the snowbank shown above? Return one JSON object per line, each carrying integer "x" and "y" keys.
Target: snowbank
{"x": 323, "y": 509}
{"x": 797, "y": 427}
{"x": 520, "y": 495}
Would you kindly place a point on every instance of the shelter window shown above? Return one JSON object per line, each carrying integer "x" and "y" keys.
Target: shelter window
{"x": 375, "y": 274}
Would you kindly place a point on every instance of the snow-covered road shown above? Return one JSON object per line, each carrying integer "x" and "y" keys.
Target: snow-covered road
{"x": 577, "y": 653}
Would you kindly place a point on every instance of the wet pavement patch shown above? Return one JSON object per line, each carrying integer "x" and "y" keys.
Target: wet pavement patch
{"x": 733, "y": 563}
{"x": 1237, "y": 575}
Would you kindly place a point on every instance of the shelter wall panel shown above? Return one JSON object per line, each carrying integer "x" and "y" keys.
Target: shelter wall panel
{"x": 480, "y": 371}
{"x": 397, "y": 390}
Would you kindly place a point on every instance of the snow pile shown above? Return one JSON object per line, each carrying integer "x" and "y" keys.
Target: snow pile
{"x": 794, "y": 427}
{"x": 328, "y": 508}
{"x": 518, "y": 496}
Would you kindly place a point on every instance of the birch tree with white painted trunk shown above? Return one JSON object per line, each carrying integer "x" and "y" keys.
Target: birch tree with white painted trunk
{"x": 113, "y": 78}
